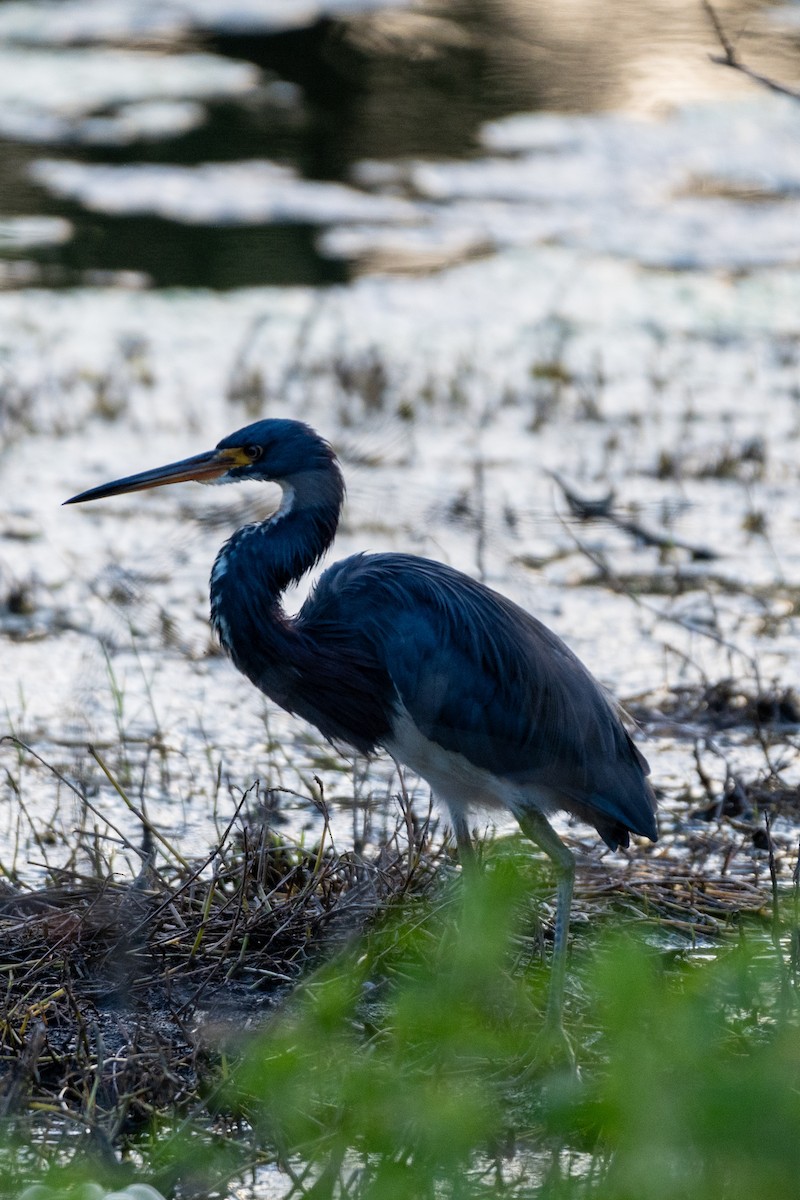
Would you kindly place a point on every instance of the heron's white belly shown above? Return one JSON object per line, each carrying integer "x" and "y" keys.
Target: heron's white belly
{"x": 452, "y": 777}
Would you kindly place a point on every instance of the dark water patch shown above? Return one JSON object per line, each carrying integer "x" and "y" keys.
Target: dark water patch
{"x": 170, "y": 254}
{"x": 393, "y": 84}
{"x": 417, "y": 86}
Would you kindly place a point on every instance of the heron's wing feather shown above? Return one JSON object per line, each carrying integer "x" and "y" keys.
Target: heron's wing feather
{"x": 482, "y": 678}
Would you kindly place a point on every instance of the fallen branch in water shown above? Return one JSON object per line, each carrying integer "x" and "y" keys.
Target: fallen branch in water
{"x": 603, "y": 510}
{"x": 729, "y": 58}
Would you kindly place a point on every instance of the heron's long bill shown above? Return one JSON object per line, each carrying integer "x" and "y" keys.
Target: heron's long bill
{"x": 203, "y": 467}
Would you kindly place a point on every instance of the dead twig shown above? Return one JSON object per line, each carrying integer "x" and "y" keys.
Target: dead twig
{"x": 729, "y": 58}
{"x": 603, "y": 510}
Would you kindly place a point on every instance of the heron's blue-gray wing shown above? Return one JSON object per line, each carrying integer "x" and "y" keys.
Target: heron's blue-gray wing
{"x": 482, "y": 678}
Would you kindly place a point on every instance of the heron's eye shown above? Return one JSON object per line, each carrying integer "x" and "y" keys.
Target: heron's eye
{"x": 254, "y": 452}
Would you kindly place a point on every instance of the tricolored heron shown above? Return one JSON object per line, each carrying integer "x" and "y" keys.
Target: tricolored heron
{"x": 401, "y": 653}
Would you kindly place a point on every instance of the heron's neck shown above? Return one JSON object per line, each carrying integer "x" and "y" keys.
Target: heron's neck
{"x": 258, "y": 563}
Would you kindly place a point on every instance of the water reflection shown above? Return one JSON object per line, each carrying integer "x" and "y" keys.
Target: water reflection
{"x": 320, "y": 97}
{"x": 173, "y": 254}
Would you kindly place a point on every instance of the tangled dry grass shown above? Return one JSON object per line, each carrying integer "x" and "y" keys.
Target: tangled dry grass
{"x": 116, "y": 993}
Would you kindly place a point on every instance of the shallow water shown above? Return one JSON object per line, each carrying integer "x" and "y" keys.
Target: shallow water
{"x": 451, "y": 459}
{"x": 195, "y": 102}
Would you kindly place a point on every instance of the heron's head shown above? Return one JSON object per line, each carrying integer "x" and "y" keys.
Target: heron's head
{"x": 272, "y": 450}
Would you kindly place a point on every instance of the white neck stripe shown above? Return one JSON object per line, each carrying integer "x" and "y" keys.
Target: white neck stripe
{"x": 286, "y": 505}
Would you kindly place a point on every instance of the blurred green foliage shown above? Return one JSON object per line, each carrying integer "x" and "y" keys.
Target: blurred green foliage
{"x": 410, "y": 1067}
{"x": 688, "y": 1085}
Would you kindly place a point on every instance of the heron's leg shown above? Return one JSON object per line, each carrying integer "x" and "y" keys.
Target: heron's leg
{"x": 536, "y": 827}
{"x": 466, "y": 851}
